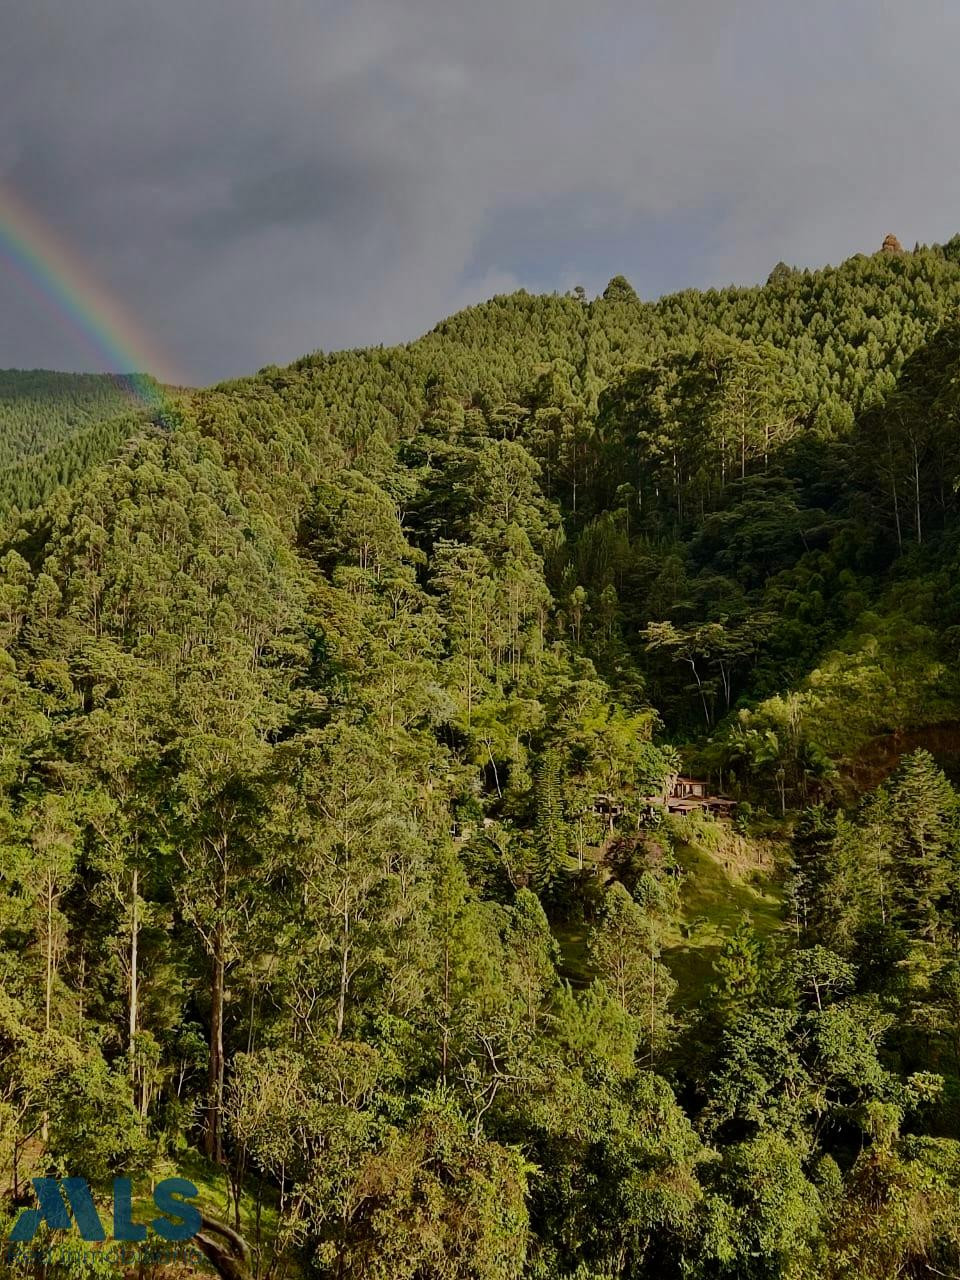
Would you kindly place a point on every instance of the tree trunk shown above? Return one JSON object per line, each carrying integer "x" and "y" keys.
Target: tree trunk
{"x": 344, "y": 974}
{"x": 916, "y": 491}
{"x": 230, "y": 1254}
{"x": 134, "y": 943}
{"x": 496, "y": 775}
{"x": 653, "y": 1000}
{"x": 893, "y": 490}
{"x": 213, "y": 1146}
{"x": 48, "y": 1001}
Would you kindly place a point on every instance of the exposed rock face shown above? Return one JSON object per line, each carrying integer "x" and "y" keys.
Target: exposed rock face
{"x": 891, "y": 245}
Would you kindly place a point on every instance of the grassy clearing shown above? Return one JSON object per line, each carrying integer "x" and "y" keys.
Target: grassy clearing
{"x": 718, "y": 894}
{"x": 214, "y": 1196}
{"x": 572, "y": 939}
{"x": 728, "y": 879}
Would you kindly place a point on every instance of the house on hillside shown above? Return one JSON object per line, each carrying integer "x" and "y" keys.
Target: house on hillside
{"x": 681, "y": 788}
{"x": 682, "y": 794}
{"x": 606, "y": 807}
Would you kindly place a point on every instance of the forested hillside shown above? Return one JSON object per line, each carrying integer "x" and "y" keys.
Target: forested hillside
{"x": 333, "y": 704}
{"x": 55, "y": 426}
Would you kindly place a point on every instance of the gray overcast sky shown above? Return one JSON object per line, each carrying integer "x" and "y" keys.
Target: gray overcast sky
{"x": 258, "y": 178}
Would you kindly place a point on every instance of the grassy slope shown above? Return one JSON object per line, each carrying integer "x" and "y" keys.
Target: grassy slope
{"x": 727, "y": 879}
{"x": 718, "y": 894}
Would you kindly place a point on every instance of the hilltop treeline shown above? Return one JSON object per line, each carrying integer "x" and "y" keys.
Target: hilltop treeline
{"x": 309, "y": 696}
{"x": 55, "y": 426}
{"x": 39, "y": 408}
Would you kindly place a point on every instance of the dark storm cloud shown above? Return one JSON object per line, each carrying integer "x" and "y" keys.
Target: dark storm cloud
{"x": 255, "y": 180}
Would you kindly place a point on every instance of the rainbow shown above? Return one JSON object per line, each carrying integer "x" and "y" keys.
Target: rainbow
{"x": 52, "y": 272}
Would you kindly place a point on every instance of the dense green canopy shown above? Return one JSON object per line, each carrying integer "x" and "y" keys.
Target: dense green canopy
{"x": 333, "y": 704}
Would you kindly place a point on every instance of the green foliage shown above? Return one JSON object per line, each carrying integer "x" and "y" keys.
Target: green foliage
{"x": 55, "y": 426}
{"x": 332, "y": 697}
{"x": 40, "y": 409}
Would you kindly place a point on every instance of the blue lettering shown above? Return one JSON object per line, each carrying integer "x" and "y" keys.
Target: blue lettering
{"x": 124, "y": 1227}
{"x": 166, "y": 1198}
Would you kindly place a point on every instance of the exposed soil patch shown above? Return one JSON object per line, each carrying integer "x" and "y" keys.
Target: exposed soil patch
{"x": 878, "y": 758}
